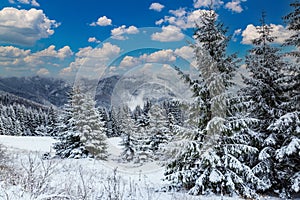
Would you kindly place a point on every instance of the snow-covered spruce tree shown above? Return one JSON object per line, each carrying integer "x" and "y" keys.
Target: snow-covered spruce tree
{"x": 135, "y": 133}
{"x": 114, "y": 124}
{"x": 268, "y": 95}
{"x": 292, "y": 20}
{"x": 292, "y": 72}
{"x": 128, "y": 127}
{"x": 285, "y": 152}
{"x": 70, "y": 128}
{"x": 211, "y": 157}
{"x": 105, "y": 119}
{"x": 173, "y": 109}
{"x": 159, "y": 130}
{"x": 141, "y": 139}
{"x": 52, "y": 121}
{"x": 93, "y": 129}
{"x": 285, "y": 129}
{"x": 70, "y": 144}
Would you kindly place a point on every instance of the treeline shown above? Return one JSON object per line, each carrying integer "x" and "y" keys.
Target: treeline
{"x": 82, "y": 129}
{"x": 21, "y": 117}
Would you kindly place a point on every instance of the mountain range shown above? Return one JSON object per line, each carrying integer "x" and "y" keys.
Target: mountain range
{"x": 131, "y": 90}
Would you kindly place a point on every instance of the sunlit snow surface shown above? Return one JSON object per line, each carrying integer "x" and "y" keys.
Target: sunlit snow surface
{"x": 147, "y": 177}
{"x": 28, "y": 143}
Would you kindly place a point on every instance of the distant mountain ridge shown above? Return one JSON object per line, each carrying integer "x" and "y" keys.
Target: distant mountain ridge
{"x": 7, "y": 99}
{"x": 132, "y": 90}
{"x": 52, "y": 91}
{"x": 42, "y": 90}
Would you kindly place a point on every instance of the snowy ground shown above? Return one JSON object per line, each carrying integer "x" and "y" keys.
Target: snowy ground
{"x": 83, "y": 178}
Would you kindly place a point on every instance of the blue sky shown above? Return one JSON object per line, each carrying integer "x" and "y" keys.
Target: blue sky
{"x": 57, "y": 37}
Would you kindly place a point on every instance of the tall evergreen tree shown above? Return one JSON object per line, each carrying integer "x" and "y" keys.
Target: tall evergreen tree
{"x": 268, "y": 95}
{"x": 114, "y": 124}
{"x": 292, "y": 20}
{"x": 70, "y": 143}
{"x": 159, "y": 130}
{"x": 94, "y": 131}
{"x": 128, "y": 125}
{"x": 210, "y": 160}
{"x": 292, "y": 76}
{"x": 52, "y": 120}
{"x": 285, "y": 128}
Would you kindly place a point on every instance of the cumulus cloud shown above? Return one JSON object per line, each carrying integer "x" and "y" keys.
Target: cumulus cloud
{"x": 169, "y": 33}
{"x": 207, "y": 3}
{"x": 278, "y": 31}
{"x": 93, "y": 40}
{"x": 156, "y": 6}
{"x": 24, "y": 27}
{"x": 235, "y": 6}
{"x": 66, "y": 72}
{"x": 12, "y": 56}
{"x": 107, "y": 51}
{"x": 186, "y": 52}
{"x": 30, "y": 2}
{"x": 129, "y": 61}
{"x": 43, "y": 72}
{"x": 51, "y": 52}
{"x": 92, "y": 61}
{"x": 102, "y": 21}
{"x": 182, "y": 19}
{"x": 17, "y": 59}
{"x": 13, "y": 52}
{"x": 118, "y": 33}
{"x": 15, "y": 55}
{"x": 162, "y": 56}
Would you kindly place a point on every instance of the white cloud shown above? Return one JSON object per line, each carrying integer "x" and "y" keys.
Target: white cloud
{"x": 281, "y": 33}
{"x": 235, "y": 34}
{"x": 15, "y": 56}
{"x": 156, "y": 6}
{"x": 14, "y": 59}
{"x": 278, "y": 31}
{"x": 249, "y": 34}
{"x": 102, "y": 21}
{"x": 68, "y": 71}
{"x": 51, "y": 52}
{"x": 92, "y": 61}
{"x": 12, "y": 56}
{"x": 182, "y": 19}
{"x": 179, "y": 12}
{"x": 169, "y": 33}
{"x": 129, "y": 61}
{"x": 234, "y": 6}
{"x": 93, "y": 39}
{"x": 162, "y": 56}
{"x": 30, "y": 2}
{"x": 185, "y": 52}
{"x": 24, "y": 27}
{"x": 107, "y": 51}
{"x": 207, "y": 3}
{"x": 43, "y": 72}
{"x": 118, "y": 33}
{"x": 159, "y": 22}
{"x": 48, "y": 56}
{"x": 13, "y": 52}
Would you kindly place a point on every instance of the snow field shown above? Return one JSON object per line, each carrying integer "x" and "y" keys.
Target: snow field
{"x": 80, "y": 179}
